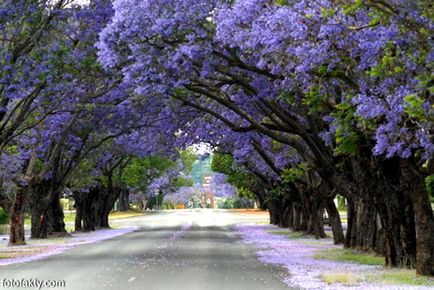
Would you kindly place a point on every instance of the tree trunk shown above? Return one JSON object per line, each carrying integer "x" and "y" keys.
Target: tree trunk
{"x": 396, "y": 215}
{"x": 425, "y": 232}
{"x": 38, "y": 206}
{"x": 296, "y": 218}
{"x": 55, "y": 216}
{"x": 362, "y": 229}
{"x": 315, "y": 225}
{"x": 17, "y": 234}
{"x": 78, "y": 212}
{"x": 87, "y": 209}
{"x": 398, "y": 228}
{"x": 47, "y": 213}
{"x": 124, "y": 202}
{"x": 335, "y": 221}
{"x": 423, "y": 211}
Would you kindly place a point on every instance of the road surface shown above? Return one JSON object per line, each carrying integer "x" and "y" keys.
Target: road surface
{"x": 184, "y": 249}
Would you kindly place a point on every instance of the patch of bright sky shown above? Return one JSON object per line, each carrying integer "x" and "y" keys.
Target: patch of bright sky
{"x": 202, "y": 148}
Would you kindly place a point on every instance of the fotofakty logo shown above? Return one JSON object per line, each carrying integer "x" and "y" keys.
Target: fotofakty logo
{"x": 31, "y": 283}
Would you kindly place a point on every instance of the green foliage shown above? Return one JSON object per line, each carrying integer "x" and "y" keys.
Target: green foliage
{"x": 3, "y": 217}
{"x": 352, "y": 7}
{"x": 413, "y": 107}
{"x": 346, "y": 137}
{"x": 82, "y": 176}
{"x": 244, "y": 192}
{"x": 139, "y": 172}
{"x": 156, "y": 201}
{"x": 242, "y": 180}
{"x": 328, "y": 12}
{"x": 237, "y": 203}
{"x": 227, "y": 204}
{"x": 222, "y": 163}
{"x": 183, "y": 182}
{"x": 276, "y": 146}
{"x": 277, "y": 194}
{"x": 341, "y": 203}
{"x": 315, "y": 99}
{"x": 282, "y": 2}
{"x": 293, "y": 174}
{"x": 287, "y": 96}
{"x": 188, "y": 157}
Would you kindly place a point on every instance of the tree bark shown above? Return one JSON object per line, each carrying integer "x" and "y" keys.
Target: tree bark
{"x": 425, "y": 232}
{"x": 335, "y": 221}
{"x": 47, "y": 213}
{"x": 17, "y": 233}
{"x": 78, "y": 226}
{"x": 362, "y": 229}
{"x": 415, "y": 182}
{"x": 124, "y": 202}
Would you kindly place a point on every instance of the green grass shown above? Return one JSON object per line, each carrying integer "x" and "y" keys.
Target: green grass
{"x": 3, "y": 256}
{"x": 401, "y": 277}
{"x": 262, "y": 223}
{"x": 120, "y": 215}
{"x": 342, "y": 278}
{"x": 69, "y": 217}
{"x": 4, "y": 229}
{"x": 291, "y": 235}
{"x": 348, "y": 255}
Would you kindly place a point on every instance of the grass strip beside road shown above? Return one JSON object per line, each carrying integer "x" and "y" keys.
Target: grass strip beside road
{"x": 401, "y": 277}
{"x": 349, "y": 255}
{"x": 341, "y": 278}
{"x": 390, "y": 277}
{"x": 70, "y": 217}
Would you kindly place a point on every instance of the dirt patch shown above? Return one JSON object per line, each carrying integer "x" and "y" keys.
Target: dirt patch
{"x": 250, "y": 211}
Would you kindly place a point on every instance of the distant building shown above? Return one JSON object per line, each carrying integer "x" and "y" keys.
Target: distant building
{"x": 208, "y": 196}
{"x": 201, "y": 168}
{"x": 201, "y": 174}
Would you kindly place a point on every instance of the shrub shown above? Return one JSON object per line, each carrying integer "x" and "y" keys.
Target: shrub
{"x": 3, "y": 216}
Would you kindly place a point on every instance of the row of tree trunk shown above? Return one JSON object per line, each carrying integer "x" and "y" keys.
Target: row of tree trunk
{"x": 42, "y": 201}
{"x": 93, "y": 207}
{"x": 388, "y": 212}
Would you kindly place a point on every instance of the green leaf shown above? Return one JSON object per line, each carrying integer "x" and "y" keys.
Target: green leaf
{"x": 413, "y": 106}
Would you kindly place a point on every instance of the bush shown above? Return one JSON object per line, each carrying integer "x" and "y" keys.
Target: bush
{"x": 3, "y": 216}
{"x": 225, "y": 203}
{"x": 341, "y": 203}
{"x": 237, "y": 203}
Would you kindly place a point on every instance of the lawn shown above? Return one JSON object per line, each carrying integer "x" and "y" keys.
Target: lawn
{"x": 70, "y": 216}
{"x": 348, "y": 255}
{"x": 292, "y": 235}
{"x": 401, "y": 277}
{"x": 127, "y": 214}
{"x": 341, "y": 278}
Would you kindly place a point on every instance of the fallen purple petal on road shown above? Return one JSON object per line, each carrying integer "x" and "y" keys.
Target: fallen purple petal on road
{"x": 77, "y": 239}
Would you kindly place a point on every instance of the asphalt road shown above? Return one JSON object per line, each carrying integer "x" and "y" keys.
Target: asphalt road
{"x": 190, "y": 249}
